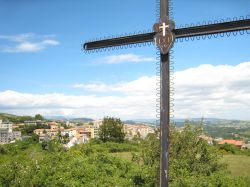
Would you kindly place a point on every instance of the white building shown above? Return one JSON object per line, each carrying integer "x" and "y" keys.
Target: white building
{"x": 208, "y": 139}
{"x": 133, "y": 130}
{"x": 71, "y": 143}
{"x": 97, "y": 124}
{"x": 6, "y": 125}
{"x": 16, "y": 135}
{"x": 71, "y": 132}
{"x": 245, "y": 146}
{"x": 7, "y": 135}
{"x": 4, "y": 136}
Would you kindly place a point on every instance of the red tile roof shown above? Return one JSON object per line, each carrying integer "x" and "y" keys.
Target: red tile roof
{"x": 233, "y": 142}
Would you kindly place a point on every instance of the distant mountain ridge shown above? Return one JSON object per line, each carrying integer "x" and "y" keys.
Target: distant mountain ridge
{"x": 82, "y": 120}
{"x": 16, "y": 118}
{"x": 7, "y": 115}
{"x": 177, "y": 121}
{"x": 76, "y": 120}
{"x": 181, "y": 122}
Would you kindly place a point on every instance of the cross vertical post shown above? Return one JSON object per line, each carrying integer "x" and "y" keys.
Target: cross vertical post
{"x": 165, "y": 105}
{"x": 164, "y": 120}
{"x": 164, "y": 9}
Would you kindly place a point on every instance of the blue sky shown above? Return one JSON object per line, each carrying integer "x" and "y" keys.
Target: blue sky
{"x": 43, "y": 69}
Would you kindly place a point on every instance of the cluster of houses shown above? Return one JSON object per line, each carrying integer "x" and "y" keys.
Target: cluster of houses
{"x": 140, "y": 130}
{"x": 220, "y": 141}
{"x": 83, "y": 134}
{"x": 7, "y": 134}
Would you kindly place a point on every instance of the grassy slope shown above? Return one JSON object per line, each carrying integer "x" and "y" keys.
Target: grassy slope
{"x": 237, "y": 164}
{"x": 123, "y": 155}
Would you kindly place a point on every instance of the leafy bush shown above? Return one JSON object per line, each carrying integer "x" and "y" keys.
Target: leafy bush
{"x": 229, "y": 148}
{"x": 192, "y": 163}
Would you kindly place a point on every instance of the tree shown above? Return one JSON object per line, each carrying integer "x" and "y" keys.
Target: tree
{"x": 65, "y": 138}
{"x": 39, "y": 117}
{"x": 192, "y": 160}
{"x": 192, "y": 157}
{"x": 111, "y": 130}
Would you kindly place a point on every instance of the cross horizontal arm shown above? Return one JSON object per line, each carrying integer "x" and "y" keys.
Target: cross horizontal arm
{"x": 179, "y": 33}
{"x": 126, "y": 40}
{"x": 213, "y": 28}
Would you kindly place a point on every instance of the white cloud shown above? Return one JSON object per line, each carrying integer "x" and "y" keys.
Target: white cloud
{"x": 213, "y": 91}
{"x": 117, "y": 59}
{"x": 17, "y": 38}
{"x": 27, "y": 42}
{"x": 221, "y": 91}
{"x": 143, "y": 85}
{"x": 70, "y": 105}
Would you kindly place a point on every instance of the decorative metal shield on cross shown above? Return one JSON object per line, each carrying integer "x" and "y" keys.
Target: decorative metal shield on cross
{"x": 164, "y": 35}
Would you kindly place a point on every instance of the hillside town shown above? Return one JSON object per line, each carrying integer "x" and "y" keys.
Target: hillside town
{"x": 77, "y": 133}
{"x": 72, "y": 131}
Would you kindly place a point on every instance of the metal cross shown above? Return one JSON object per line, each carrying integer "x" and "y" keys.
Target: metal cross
{"x": 164, "y": 36}
{"x": 163, "y": 27}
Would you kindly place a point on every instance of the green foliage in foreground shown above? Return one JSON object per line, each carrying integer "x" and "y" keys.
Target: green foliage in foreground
{"x": 26, "y": 164}
{"x": 192, "y": 163}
